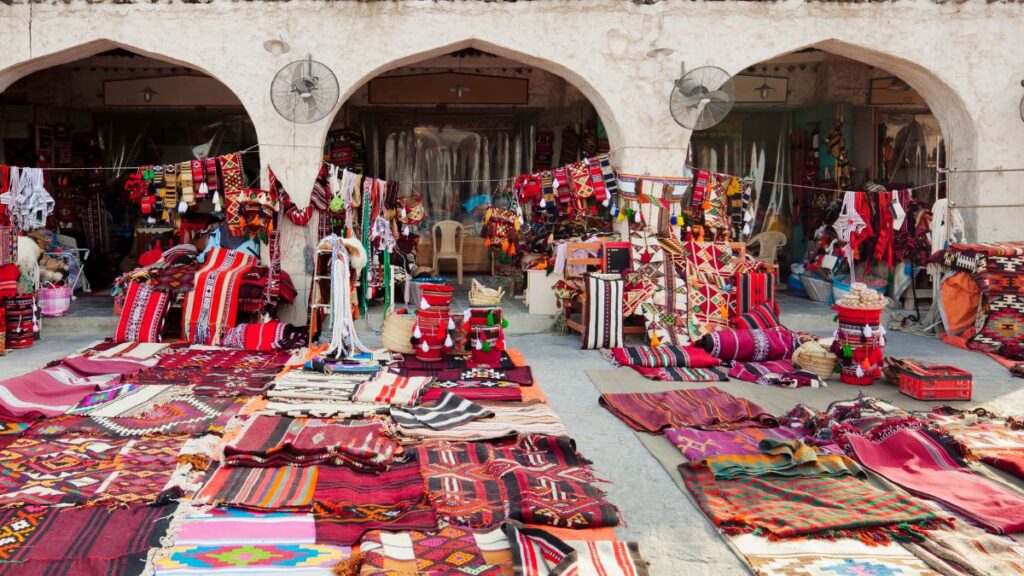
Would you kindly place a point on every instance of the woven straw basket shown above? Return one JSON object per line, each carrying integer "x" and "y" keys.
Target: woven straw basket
{"x": 397, "y": 332}
{"x": 815, "y": 357}
{"x": 480, "y": 295}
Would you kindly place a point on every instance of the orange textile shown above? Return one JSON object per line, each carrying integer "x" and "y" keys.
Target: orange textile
{"x": 961, "y": 300}
{"x": 529, "y": 392}
{"x": 960, "y": 341}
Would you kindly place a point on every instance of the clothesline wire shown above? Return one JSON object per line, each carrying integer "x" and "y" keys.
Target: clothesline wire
{"x": 249, "y": 150}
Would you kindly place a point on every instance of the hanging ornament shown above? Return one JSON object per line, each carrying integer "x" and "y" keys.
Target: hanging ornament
{"x": 182, "y": 206}
{"x": 405, "y": 214}
{"x": 216, "y": 201}
{"x": 636, "y": 216}
{"x": 504, "y": 322}
{"x": 486, "y": 346}
{"x": 337, "y": 204}
{"x": 448, "y": 341}
{"x": 424, "y": 305}
{"x": 425, "y": 347}
{"x": 543, "y": 202}
{"x": 451, "y": 323}
{"x": 859, "y": 372}
{"x": 868, "y": 332}
{"x": 621, "y": 217}
{"x": 674, "y": 220}
{"x": 478, "y": 345}
{"x": 416, "y": 332}
{"x": 466, "y": 317}
{"x": 151, "y": 220}
{"x": 405, "y": 230}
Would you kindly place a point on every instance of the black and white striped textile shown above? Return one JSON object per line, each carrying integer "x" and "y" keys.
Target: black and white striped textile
{"x": 602, "y": 312}
{"x": 450, "y": 411}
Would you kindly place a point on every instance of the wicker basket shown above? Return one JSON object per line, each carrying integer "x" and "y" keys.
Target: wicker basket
{"x": 814, "y": 356}
{"x": 397, "y": 332}
{"x": 480, "y": 295}
{"x": 818, "y": 289}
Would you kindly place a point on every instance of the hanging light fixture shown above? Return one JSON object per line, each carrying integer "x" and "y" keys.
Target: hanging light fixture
{"x": 765, "y": 90}
{"x": 459, "y": 90}
{"x": 147, "y": 94}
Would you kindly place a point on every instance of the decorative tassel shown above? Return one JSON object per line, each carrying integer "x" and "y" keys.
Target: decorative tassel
{"x": 405, "y": 230}
{"x": 466, "y": 317}
{"x": 404, "y": 213}
{"x": 543, "y": 202}
{"x": 881, "y": 341}
{"x": 478, "y": 345}
{"x": 150, "y": 220}
{"x": 448, "y": 343}
{"x": 620, "y": 217}
{"x": 655, "y": 341}
{"x": 337, "y": 204}
{"x": 424, "y": 305}
{"x": 203, "y": 190}
{"x": 416, "y": 332}
{"x": 425, "y": 347}
{"x": 847, "y": 351}
{"x": 451, "y": 323}
{"x": 868, "y": 332}
{"x": 490, "y": 318}
{"x": 636, "y": 216}
{"x": 504, "y": 322}
{"x": 674, "y": 220}
{"x": 486, "y": 346}
{"x": 859, "y": 372}
{"x": 182, "y": 206}
{"x": 606, "y": 202}
{"x": 216, "y": 202}
{"x": 746, "y": 229}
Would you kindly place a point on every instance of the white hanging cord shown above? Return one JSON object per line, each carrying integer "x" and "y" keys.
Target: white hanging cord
{"x": 344, "y": 337}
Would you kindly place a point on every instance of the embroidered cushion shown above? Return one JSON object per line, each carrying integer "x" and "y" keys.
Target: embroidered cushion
{"x": 602, "y": 312}
{"x": 760, "y": 317}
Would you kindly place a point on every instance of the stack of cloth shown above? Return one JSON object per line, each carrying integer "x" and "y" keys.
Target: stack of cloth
{"x": 763, "y": 356}
{"x": 670, "y": 362}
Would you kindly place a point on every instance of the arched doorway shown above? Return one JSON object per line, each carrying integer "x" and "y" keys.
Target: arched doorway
{"x": 91, "y": 123}
{"x": 813, "y": 124}
{"x": 456, "y": 128}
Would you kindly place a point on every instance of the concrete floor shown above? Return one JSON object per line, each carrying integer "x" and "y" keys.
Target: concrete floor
{"x": 673, "y": 535}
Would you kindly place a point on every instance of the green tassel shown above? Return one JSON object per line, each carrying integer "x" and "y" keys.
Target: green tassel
{"x": 490, "y": 318}
{"x": 504, "y": 322}
{"x": 486, "y": 347}
{"x": 847, "y": 351}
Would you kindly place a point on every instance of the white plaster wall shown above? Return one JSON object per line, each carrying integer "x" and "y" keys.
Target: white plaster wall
{"x": 964, "y": 58}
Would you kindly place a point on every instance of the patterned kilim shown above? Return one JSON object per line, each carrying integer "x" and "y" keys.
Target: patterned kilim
{"x": 347, "y": 503}
{"x": 709, "y": 258}
{"x": 460, "y": 489}
{"x": 843, "y": 556}
{"x": 183, "y": 414}
{"x": 533, "y": 417}
{"x": 990, "y": 441}
{"x": 232, "y": 559}
{"x": 233, "y": 181}
{"x": 754, "y": 289}
{"x": 210, "y": 309}
{"x": 8, "y": 245}
{"x": 87, "y": 470}
{"x": 716, "y": 206}
{"x": 477, "y": 390}
{"x": 708, "y": 298}
{"x": 142, "y": 316}
{"x": 813, "y": 506}
{"x": 450, "y": 551}
{"x": 216, "y": 372}
{"x": 102, "y": 398}
{"x": 666, "y": 355}
{"x": 539, "y": 553}
{"x": 1002, "y": 285}
{"x": 282, "y": 488}
{"x": 703, "y": 407}
{"x": 697, "y": 444}
{"x": 36, "y": 540}
{"x": 281, "y": 441}
{"x": 682, "y": 374}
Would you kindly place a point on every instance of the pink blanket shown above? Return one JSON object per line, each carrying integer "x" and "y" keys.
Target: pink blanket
{"x": 916, "y": 461}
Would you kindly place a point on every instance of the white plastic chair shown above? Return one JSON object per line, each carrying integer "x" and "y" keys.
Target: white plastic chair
{"x": 448, "y": 237}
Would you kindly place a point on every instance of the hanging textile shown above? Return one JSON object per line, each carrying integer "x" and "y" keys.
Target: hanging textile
{"x": 211, "y": 308}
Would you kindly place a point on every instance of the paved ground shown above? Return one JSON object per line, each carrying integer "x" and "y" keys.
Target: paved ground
{"x": 672, "y": 533}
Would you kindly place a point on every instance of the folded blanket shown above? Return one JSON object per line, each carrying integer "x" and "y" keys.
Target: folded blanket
{"x": 775, "y": 373}
{"x": 667, "y": 355}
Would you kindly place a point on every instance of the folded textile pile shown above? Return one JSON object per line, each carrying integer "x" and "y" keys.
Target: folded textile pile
{"x": 670, "y": 362}
{"x": 266, "y": 336}
{"x": 281, "y": 441}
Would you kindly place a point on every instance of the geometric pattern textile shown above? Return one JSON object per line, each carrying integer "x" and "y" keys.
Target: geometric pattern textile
{"x": 708, "y": 408}
{"x": 284, "y": 488}
{"x": 450, "y": 551}
{"x": 1001, "y": 331}
{"x": 37, "y": 540}
{"x": 87, "y": 470}
{"x": 186, "y": 414}
{"x": 841, "y": 557}
{"x": 142, "y": 314}
{"x": 234, "y": 559}
{"x": 210, "y": 309}
{"x": 707, "y": 296}
{"x": 458, "y": 485}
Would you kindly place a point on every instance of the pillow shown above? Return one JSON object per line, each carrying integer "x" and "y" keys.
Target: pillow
{"x": 751, "y": 345}
{"x": 761, "y": 317}
{"x": 664, "y": 356}
{"x": 707, "y": 296}
{"x": 142, "y": 315}
{"x": 602, "y": 312}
